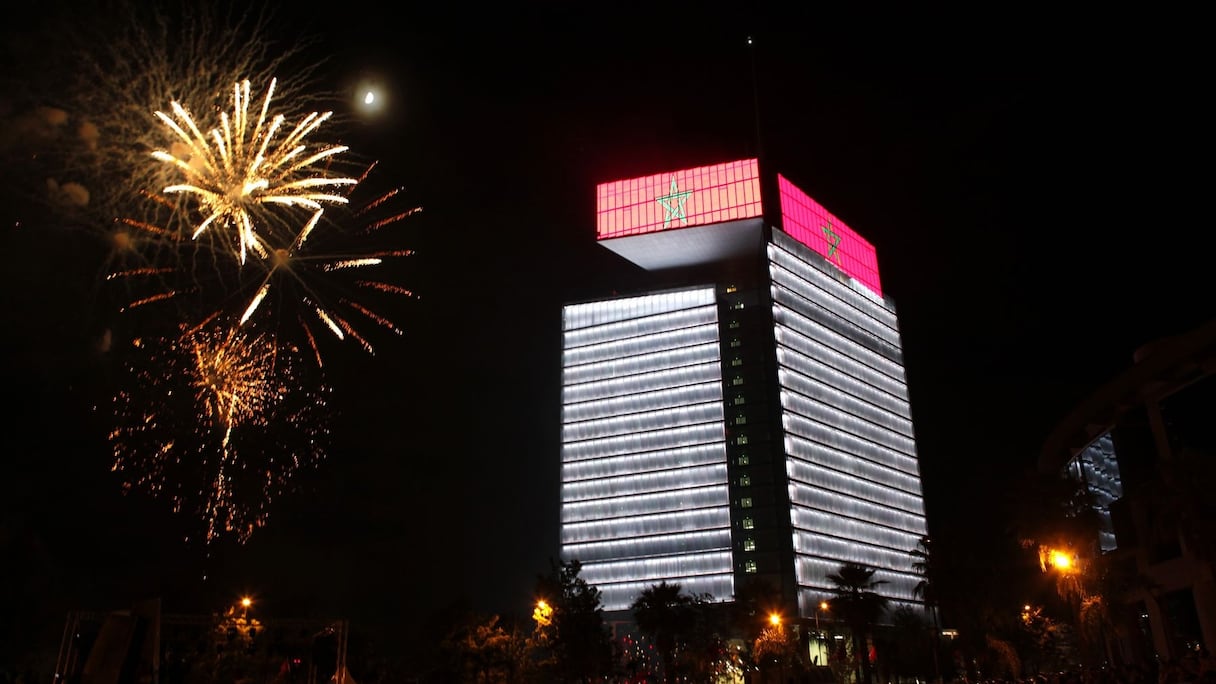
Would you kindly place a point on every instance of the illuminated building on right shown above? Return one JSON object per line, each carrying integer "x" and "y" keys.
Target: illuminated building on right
{"x": 1144, "y": 448}
{"x": 745, "y": 419}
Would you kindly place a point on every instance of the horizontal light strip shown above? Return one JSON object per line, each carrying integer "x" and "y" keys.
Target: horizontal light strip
{"x": 641, "y": 363}
{"x": 657, "y": 568}
{"x": 800, "y": 277}
{"x": 813, "y": 572}
{"x": 823, "y": 393}
{"x": 588, "y": 339}
{"x": 826, "y": 522}
{"x": 629, "y": 464}
{"x": 603, "y": 313}
{"x": 657, "y": 340}
{"x": 619, "y": 596}
{"x": 823, "y": 456}
{"x": 788, "y": 253}
{"x": 799, "y": 405}
{"x": 667, "y": 397}
{"x": 824, "y": 546}
{"x": 849, "y": 485}
{"x": 685, "y": 499}
{"x": 785, "y": 301}
{"x": 573, "y": 395}
{"x": 819, "y": 336}
{"x": 814, "y": 521}
{"x": 672, "y": 480}
{"x": 812, "y": 370}
{"x": 847, "y": 506}
{"x": 642, "y": 547}
{"x": 644, "y": 421}
{"x": 644, "y": 526}
{"x": 799, "y": 350}
{"x": 836, "y": 437}
{"x": 792, "y": 288}
{"x": 649, "y": 441}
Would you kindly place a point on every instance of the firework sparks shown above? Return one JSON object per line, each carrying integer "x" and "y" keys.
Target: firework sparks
{"x": 333, "y": 275}
{"x": 218, "y": 422}
{"x": 245, "y": 164}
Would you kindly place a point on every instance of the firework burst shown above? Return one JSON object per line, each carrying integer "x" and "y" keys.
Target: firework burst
{"x": 247, "y": 163}
{"x": 335, "y": 275}
{"x": 331, "y": 273}
{"x": 77, "y": 138}
{"x": 218, "y": 422}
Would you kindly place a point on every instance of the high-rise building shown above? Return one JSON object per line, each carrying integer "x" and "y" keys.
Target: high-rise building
{"x": 745, "y": 418}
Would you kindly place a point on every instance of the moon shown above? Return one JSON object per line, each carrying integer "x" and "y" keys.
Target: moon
{"x": 370, "y": 97}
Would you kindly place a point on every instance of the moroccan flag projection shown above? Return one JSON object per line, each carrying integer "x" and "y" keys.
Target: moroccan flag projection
{"x": 668, "y": 201}
{"x": 808, "y": 222}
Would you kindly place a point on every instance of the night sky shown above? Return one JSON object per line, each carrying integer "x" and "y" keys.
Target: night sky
{"x": 1031, "y": 183}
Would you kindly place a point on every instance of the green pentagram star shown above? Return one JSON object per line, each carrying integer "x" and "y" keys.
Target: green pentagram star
{"x": 675, "y": 210}
{"x": 834, "y": 239}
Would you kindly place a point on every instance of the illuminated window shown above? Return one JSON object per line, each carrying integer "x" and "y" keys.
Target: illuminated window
{"x": 743, "y": 459}
{"x": 746, "y": 502}
{"x": 736, "y": 343}
{"x": 740, "y": 399}
{"x": 734, "y": 325}
{"x": 741, "y": 439}
{"x": 745, "y": 480}
{"x": 749, "y": 544}
{"x": 737, "y": 380}
{"x": 731, "y": 288}
{"x": 740, "y": 419}
{"x": 749, "y": 566}
{"x": 748, "y": 523}
{"x": 737, "y": 305}
{"x": 736, "y": 361}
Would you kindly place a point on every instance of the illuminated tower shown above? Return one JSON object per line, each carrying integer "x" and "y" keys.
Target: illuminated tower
{"x": 748, "y": 417}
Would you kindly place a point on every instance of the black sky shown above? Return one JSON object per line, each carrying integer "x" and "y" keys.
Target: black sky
{"x": 1032, "y": 183}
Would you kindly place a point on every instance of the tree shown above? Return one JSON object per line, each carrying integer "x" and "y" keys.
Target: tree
{"x": 860, "y": 606}
{"x": 925, "y": 568}
{"x": 683, "y": 628}
{"x": 775, "y": 648}
{"x": 662, "y": 614}
{"x": 578, "y": 638}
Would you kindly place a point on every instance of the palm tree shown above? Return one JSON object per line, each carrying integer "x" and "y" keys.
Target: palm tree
{"x": 860, "y": 606}
{"x": 662, "y": 613}
{"x": 925, "y": 568}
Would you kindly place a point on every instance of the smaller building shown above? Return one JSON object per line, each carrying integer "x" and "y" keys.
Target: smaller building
{"x": 1145, "y": 448}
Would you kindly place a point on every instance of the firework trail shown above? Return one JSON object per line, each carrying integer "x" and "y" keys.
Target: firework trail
{"x": 247, "y": 163}
{"x": 218, "y": 422}
{"x": 333, "y": 275}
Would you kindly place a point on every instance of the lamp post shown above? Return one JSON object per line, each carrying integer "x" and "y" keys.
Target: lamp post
{"x": 774, "y": 619}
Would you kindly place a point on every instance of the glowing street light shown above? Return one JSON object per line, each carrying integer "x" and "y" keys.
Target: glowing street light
{"x": 774, "y": 619}
{"x": 543, "y": 614}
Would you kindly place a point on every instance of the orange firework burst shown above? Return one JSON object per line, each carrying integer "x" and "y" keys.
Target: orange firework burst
{"x": 219, "y": 423}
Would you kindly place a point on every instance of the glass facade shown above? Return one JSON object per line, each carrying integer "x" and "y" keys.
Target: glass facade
{"x": 853, "y": 476}
{"x": 1098, "y": 469}
{"x": 644, "y": 483}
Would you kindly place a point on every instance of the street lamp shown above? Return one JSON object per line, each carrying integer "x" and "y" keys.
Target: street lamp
{"x": 245, "y": 603}
{"x": 543, "y": 614}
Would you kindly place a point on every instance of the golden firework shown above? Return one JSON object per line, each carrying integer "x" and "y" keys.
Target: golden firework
{"x": 245, "y": 164}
